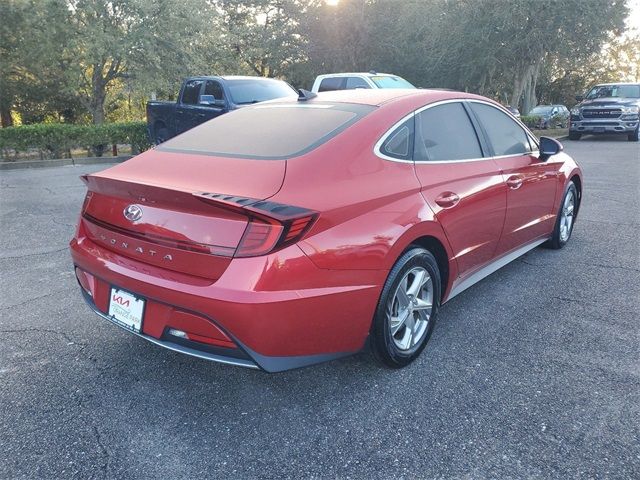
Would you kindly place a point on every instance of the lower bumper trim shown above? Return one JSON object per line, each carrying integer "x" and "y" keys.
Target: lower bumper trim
{"x": 174, "y": 346}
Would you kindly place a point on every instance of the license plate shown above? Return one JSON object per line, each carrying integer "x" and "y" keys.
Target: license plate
{"x": 599, "y": 129}
{"x": 126, "y": 309}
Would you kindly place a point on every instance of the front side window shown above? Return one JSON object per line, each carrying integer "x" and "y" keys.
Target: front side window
{"x": 445, "y": 132}
{"x": 191, "y": 92}
{"x": 506, "y": 136}
{"x": 356, "y": 82}
{"x": 214, "y": 88}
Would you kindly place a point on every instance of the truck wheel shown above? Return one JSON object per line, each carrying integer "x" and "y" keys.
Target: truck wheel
{"x": 634, "y": 136}
{"x": 162, "y": 135}
{"x": 574, "y": 136}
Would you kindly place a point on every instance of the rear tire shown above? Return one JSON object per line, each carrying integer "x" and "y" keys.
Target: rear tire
{"x": 407, "y": 309}
{"x": 574, "y": 136}
{"x": 635, "y": 136}
{"x": 162, "y": 135}
{"x": 565, "y": 219}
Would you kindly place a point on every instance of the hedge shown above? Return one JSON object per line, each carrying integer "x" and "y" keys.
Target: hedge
{"x": 531, "y": 121}
{"x": 57, "y": 139}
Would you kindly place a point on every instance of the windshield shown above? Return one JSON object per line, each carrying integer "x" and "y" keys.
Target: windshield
{"x": 387, "y": 81}
{"x": 268, "y": 131}
{"x": 541, "y": 110}
{"x": 248, "y": 90}
{"x": 614, "y": 91}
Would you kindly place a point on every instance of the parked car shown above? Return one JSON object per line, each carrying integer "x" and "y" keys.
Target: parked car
{"x": 298, "y": 231}
{"x": 203, "y": 98}
{"x": 514, "y": 111}
{"x": 350, "y": 81}
{"x": 611, "y": 108}
{"x": 551, "y": 116}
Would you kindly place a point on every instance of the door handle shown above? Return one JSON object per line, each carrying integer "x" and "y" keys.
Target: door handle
{"x": 447, "y": 199}
{"x": 515, "y": 181}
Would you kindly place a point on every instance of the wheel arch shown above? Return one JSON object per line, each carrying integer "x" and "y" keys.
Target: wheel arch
{"x": 577, "y": 181}
{"x": 439, "y": 251}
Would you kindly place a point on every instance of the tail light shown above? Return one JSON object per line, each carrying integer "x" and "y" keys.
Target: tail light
{"x": 271, "y": 225}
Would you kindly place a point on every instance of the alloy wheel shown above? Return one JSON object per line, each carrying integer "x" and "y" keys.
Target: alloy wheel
{"x": 566, "y": 220}
{"x": 410, "y": 309}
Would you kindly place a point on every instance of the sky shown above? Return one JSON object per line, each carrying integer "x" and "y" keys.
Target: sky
{"x": 633, "y": 21}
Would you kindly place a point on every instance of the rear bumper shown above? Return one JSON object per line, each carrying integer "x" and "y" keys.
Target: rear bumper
{"x": 604, "y": 126}
{"x": 322, "y": 315}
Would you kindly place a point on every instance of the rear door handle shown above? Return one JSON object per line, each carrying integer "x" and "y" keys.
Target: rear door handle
{"x": 515, "y": 181}
{"x": 447, "y": 199}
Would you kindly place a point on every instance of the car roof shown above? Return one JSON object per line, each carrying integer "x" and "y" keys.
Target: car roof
{"x": 378, "y": 97}
{"x": 230, "y": 77}
{"x": 615, "y": 83}
{"x": 363, "y": 74}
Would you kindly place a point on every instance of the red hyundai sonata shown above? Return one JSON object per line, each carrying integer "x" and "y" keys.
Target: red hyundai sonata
{"x": 294, "y": 232}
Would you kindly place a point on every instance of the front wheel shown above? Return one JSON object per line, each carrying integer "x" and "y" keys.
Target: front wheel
{"x": 566, "y": 218}
{"x": 574, "y": 136}
{"x": 634, "y": 136}
{"x": 407, "y": 309}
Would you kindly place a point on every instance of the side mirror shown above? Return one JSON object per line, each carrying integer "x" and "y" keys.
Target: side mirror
{"x": 579, "y": 98}
{"x": 549, "y": 147}
{"x": 210, "y": 100}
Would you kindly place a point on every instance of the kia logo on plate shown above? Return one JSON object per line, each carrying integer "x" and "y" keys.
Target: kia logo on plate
{"x": 133, "y": 213}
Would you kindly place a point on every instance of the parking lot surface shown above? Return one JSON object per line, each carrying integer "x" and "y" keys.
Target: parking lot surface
{"x": 532, "y": 373}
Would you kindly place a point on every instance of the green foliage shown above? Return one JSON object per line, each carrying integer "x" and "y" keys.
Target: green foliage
{"x": 531, "y": 121}
{"x": 56, "y": 139}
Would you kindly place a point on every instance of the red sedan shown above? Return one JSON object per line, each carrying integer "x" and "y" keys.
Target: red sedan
{"x": 295, "y": 232}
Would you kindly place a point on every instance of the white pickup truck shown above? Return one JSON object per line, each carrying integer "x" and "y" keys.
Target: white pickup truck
{"x": 349, "y": 81}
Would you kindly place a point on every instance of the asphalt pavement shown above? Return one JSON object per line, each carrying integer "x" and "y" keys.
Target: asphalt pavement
{"x": 532, "y": 373}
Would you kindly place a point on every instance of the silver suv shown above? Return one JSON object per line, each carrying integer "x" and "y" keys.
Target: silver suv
{"x": 607, "y": 108}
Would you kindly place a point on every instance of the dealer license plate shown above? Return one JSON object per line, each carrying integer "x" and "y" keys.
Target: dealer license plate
{"x": 126, "y": 309}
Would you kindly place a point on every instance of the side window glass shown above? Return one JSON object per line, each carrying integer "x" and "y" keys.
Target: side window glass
{"x": 505, "y": 135}
{"x": 399, "y": 144}
{"x": 215, "y": 89}
{"x": 191, "y": 92}
{"x": 445, "y": 132}
{"x": 356, "y": 82}
{"x": 331, "y": 83}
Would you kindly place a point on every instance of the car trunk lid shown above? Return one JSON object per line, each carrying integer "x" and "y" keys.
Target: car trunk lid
{"x": 151, "y": 208}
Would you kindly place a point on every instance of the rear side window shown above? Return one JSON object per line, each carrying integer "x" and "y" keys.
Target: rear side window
{"x": 356, "y": 82}
{"x": 191, "y": 92}
{"x": 445, "y": 132}
{"x": 332, "y": 83}
{"x": 399, "y": 144}
{"x": 273, "y": 131}
{"x": 505, "y": 135}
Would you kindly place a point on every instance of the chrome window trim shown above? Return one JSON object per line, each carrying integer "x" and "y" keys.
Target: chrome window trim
{"x": 385, "y": 136}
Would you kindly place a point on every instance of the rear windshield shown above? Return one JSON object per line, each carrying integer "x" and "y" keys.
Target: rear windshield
{"x": 274, "y": 131}
{"x": 245, "y": 90}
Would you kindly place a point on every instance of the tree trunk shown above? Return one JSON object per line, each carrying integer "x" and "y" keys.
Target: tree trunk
{"x": 5, "y": 117}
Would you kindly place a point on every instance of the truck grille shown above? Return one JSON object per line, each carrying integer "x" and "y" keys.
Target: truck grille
{"x": 601, "y": 113}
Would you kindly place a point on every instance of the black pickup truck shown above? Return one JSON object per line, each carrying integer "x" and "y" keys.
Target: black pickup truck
{"x": 204, "y": 98}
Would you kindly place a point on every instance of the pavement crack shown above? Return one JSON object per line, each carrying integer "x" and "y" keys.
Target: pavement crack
{"x": 43, "y": 330}
{"x": 29, "y": 300}
{"x": 598, "y": 265}
{"x": 33, "y": 254}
